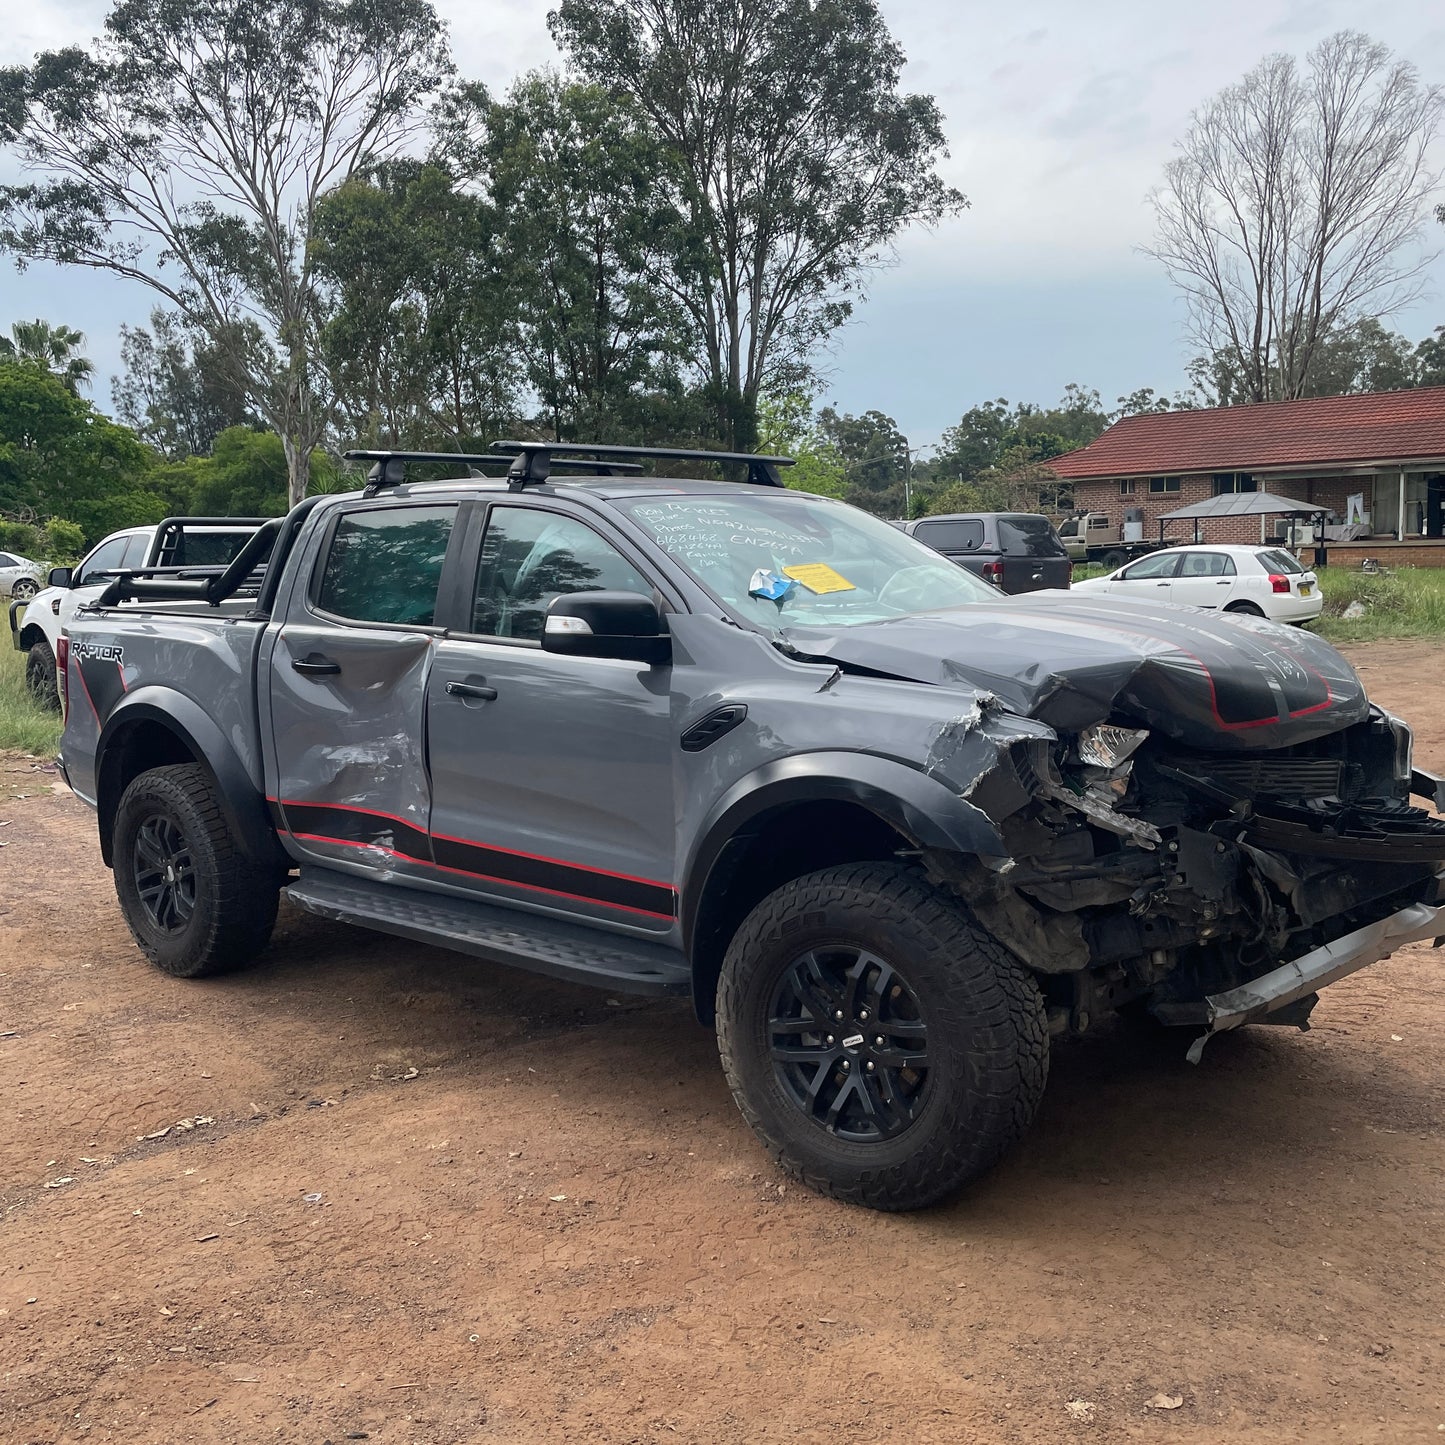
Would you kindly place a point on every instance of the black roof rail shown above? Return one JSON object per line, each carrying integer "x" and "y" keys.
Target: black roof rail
{"x": 389, "y": 468}
{"x": 533, "y": 461}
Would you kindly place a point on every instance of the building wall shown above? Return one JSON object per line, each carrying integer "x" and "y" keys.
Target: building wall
{"x": 1329, "y": 492}
{"x": 1387, "y": 554}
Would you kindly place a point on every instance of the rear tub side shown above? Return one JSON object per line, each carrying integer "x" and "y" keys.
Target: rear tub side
{"x": 119, "y": 723}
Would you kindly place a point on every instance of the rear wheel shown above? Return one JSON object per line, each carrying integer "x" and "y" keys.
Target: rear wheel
{"x": 1113, "y": 560}
{"x": 24, "y": 589}
{"x": 194, "y": 903}
{"x": 1249, "y": 609}
{"x": 882, "y": 1046}
{"x": 40, "y": 676}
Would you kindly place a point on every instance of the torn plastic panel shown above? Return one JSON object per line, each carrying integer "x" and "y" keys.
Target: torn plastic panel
{"x": 1206, "y": 680}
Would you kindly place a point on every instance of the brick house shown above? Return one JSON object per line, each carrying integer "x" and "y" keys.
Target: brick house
{"x": 1387, "y": 448}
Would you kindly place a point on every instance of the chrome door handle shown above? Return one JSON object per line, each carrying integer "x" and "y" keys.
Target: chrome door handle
{"x": 471, "y": 689}
{"x": 315, "y": 665}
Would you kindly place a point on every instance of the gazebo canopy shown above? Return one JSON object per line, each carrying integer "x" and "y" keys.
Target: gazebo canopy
{"x": 1244, "y": 504}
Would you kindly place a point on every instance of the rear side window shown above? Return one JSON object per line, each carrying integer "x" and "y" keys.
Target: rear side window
{"x": 1207, "y": 564}
{"x": 6, "y": 560}
{"x": 1029, "y": 537}
{"x": 386, "y": 565}
{"x": 210, "y": 549}
{"x": 960, "y": 536}
{"x": 1278, "y": 562}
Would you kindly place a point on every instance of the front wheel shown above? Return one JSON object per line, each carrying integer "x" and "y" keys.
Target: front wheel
{"x": 194, "y": 903}
{"x": 883, "y": 1047}
{"x": 40, "y": 676}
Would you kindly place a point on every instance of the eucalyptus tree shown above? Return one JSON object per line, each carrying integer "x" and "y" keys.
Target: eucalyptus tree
{"x": 799, "y": 161}
{"x": 188, "y": 150}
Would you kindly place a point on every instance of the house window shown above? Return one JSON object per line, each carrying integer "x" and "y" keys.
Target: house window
{"x": 1163, "y": 484}
{"x": 1226, "y": 482}
{"x": 1128, "y": 488}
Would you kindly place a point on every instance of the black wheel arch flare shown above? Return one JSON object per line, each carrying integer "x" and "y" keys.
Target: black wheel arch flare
{"x": 920, "y": 809}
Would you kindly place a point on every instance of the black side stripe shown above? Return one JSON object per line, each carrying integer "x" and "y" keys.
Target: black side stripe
{"x": 345, "y": 825}
{"x": 558, "y": 877}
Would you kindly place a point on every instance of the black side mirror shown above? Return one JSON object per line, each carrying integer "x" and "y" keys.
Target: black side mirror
{"x": 59, "y": 577}
{"x": 623, "y": 625}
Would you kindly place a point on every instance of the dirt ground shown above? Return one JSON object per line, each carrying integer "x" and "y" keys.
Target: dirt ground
{"x": 370, "y": 1190}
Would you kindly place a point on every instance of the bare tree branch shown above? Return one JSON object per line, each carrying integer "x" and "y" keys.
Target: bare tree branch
{"x": 1294, "y": 207}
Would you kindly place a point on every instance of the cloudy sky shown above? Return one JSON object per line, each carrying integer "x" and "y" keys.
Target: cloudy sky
{"x": 1059, "y": 117}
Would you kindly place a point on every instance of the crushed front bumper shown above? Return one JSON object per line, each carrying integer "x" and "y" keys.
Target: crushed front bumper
{"x": 1318, "y": 968}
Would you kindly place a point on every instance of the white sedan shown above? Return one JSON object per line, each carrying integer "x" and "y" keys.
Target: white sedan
{"x": 1262, "y": 581}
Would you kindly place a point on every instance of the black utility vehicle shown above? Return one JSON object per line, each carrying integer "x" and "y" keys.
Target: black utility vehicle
{"x": 1016, "y": 551}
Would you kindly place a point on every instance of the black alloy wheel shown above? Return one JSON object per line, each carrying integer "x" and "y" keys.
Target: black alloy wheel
{"x": 165, "y": 873}
{"x": 194, "y": 900}
{"x": 849, "y": 1043}
{"x": 882, "y": 1045}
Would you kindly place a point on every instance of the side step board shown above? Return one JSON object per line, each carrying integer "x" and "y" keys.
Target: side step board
{"x": 499, "y": 935}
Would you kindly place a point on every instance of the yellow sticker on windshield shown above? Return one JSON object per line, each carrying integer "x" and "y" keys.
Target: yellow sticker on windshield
{"x": 819, "y": 577}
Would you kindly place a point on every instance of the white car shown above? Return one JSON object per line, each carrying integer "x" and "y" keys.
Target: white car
{"x": 1262, "y": 581}
{"x": 20, "y": 578}
{"x": 36, "y": 632}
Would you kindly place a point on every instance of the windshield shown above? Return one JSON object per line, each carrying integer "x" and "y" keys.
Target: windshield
{"x": 784, "y": 559}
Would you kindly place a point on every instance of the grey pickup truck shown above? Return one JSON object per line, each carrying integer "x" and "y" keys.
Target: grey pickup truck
{"x": 890, "y": 830}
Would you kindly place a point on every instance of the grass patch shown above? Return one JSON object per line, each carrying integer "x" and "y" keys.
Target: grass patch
{"x": 24, "y": 727}
{"x": 1406, "y": 602}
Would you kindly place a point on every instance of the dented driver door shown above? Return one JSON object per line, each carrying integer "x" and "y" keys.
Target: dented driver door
{"x": 344, "y": 684}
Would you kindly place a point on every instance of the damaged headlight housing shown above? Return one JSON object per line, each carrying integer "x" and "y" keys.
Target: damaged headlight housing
{"x": 1404, "y": 740}
{"x": 1108, "y": 747}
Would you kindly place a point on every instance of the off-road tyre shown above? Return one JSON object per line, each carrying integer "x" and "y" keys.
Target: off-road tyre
{"x": 40, "y": 676}
{"x": 1246, "y": 609}
{"x": 987, "y": 1034}
{"x": 232, "y": 902}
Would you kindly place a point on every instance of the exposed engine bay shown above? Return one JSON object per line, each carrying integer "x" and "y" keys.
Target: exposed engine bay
{"x": 1143, "y": 871}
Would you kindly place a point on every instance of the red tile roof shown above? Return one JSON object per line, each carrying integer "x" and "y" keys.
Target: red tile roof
{"x": 1322, "y": 431}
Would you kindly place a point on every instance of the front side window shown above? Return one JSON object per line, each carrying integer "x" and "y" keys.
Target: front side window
{"x": 106, "y": 558}
{"x": 825, "y": 563}
{"x": 1157, "y": 567}
{"x": 385, "y": 565}
{"x": 529, "y": 557}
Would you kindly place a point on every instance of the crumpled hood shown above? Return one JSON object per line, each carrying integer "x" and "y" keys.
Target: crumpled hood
{"x": 1209, "y": 681}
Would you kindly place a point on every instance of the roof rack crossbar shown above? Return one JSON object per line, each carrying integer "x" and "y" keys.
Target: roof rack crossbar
{"x": 388, "y": 469}
{"x": 532, "y": 462}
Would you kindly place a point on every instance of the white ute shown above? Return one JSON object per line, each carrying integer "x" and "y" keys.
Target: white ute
{"x": 36, "y": 623}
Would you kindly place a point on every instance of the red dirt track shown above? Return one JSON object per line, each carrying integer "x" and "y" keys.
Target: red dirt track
{"x": 436, "y": 1202}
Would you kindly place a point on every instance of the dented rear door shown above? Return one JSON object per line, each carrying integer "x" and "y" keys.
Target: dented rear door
{"x": 343, "y": 693}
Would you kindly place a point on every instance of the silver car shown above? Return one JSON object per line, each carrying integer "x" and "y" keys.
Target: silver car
{"x": 20, "y": 578}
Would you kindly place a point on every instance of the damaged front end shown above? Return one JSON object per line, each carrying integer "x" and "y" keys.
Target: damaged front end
{"x": 1211, "y": 889}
